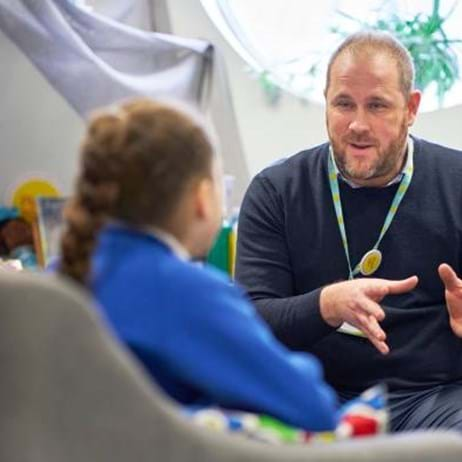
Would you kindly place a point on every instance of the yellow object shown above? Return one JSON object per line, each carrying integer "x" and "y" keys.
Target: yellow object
{"x": 370, "y": 262}
{"x": 25, "y": 194}
{"x": 232, "y": 251}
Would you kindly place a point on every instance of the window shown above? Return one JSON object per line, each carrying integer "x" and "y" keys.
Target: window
{"x": 289, "y": 41}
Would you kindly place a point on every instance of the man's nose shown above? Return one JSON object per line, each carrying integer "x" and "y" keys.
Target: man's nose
{"x": 359, "y": 122}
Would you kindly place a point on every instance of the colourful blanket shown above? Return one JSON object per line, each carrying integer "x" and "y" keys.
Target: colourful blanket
{"x": 366, "y": 415}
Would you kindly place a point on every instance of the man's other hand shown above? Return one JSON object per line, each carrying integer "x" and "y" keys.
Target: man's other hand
{"x": 453, "y": 293}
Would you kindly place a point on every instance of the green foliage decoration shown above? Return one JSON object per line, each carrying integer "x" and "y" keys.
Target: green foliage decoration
{"x": 434, "y": 53}
{"x": 435, "y": 58}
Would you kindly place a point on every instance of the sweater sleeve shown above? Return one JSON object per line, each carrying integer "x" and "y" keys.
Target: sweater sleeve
{"x": 215, "y": 341}
{"x": 264, "y": 269}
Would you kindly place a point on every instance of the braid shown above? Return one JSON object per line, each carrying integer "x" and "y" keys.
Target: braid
{"x": 135, "y": 167}
{"x": 95, "y": 197}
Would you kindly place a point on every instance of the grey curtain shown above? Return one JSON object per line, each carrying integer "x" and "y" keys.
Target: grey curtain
{"x": 92, "y": 60}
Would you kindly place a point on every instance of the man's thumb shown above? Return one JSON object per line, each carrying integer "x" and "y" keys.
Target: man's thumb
{"x": 403, "y": 285}
{"x": 448, "y": 276}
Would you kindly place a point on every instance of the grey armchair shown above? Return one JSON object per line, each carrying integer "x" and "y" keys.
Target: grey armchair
{"x": 70, "y": 392}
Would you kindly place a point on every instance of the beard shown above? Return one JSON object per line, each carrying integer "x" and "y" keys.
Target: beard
{"x": 385, "y": 163}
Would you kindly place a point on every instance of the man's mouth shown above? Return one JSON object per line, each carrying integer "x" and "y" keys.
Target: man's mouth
{"x": 361, "y": 146}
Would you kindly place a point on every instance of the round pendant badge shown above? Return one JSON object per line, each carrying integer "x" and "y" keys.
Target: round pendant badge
{"x": 370, "y": 262}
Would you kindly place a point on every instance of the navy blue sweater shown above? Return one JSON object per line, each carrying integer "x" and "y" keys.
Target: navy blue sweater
{"x": 289, "y": 247}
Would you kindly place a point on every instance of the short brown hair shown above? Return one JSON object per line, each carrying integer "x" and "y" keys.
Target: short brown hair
{"x": 370, "y": 40}
{"x": 136, "y": 163}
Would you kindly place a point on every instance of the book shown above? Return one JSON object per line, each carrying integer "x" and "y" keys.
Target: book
{"x": 50, "y": 223}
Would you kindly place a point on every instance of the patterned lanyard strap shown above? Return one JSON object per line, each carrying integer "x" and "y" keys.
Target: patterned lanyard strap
{"x": 372, "y": 256}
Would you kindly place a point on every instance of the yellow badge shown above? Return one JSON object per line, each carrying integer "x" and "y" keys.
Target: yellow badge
{"x": 370, "y": 262}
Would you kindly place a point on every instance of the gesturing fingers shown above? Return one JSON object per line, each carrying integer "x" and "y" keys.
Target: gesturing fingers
{"x": 366, "y": 315}
{"x": 377, "y": 289}
{"x": 371, "y": 328}
{"x": 449, "y": 277}
{"x": 368, "y": 312}
{"x": 342, "y": 301}
{"x": 369, "y": 307}
{"x": 380, "y": 345}
{"x": 403, "y": 285}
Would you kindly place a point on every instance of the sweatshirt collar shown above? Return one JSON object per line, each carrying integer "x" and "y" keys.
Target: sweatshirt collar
{"x": 166, "y": 238}
{"x": 170, "y": 241}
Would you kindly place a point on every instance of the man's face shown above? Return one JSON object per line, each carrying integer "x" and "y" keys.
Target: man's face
{"x": 368, "y": 117}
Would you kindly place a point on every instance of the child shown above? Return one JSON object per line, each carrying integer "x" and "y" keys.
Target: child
{"x": 147, "y": 199}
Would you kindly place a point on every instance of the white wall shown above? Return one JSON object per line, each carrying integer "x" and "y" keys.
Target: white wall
{"x": 39, "y": 132}
{"x": 442, "y": 126}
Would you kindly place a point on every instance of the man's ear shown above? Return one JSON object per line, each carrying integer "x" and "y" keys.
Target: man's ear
{"x": 413, "y": 104}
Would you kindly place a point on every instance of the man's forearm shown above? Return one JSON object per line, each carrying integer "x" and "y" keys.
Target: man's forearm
{"x": 296, "y": 321}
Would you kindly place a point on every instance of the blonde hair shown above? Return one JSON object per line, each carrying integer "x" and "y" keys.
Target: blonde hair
{"x": 376, "y": 41}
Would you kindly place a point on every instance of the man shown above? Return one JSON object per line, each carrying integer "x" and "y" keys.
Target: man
{"x": 373, "y": 208}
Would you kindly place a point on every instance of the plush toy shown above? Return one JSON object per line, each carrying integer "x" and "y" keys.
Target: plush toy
{"x": 16, "y": 233}
{"x": 16, "y": 242}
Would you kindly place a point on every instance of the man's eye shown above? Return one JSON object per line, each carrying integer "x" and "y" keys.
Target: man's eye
{"x": 343, "y": 104}
{"x": 376, "y": 106}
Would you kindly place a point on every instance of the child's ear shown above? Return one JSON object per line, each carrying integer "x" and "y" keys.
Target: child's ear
{"x": 202, "y": 192}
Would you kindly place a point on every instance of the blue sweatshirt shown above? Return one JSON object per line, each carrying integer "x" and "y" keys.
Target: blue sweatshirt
{"x": 198, "y": 336}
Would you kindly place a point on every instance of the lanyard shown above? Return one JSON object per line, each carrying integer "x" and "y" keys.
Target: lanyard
{"x": 402, "y": 189}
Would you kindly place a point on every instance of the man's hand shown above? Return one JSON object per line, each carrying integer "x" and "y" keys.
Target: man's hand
{"x": 357, "y": 303}
{"x": 453, "y": 293}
